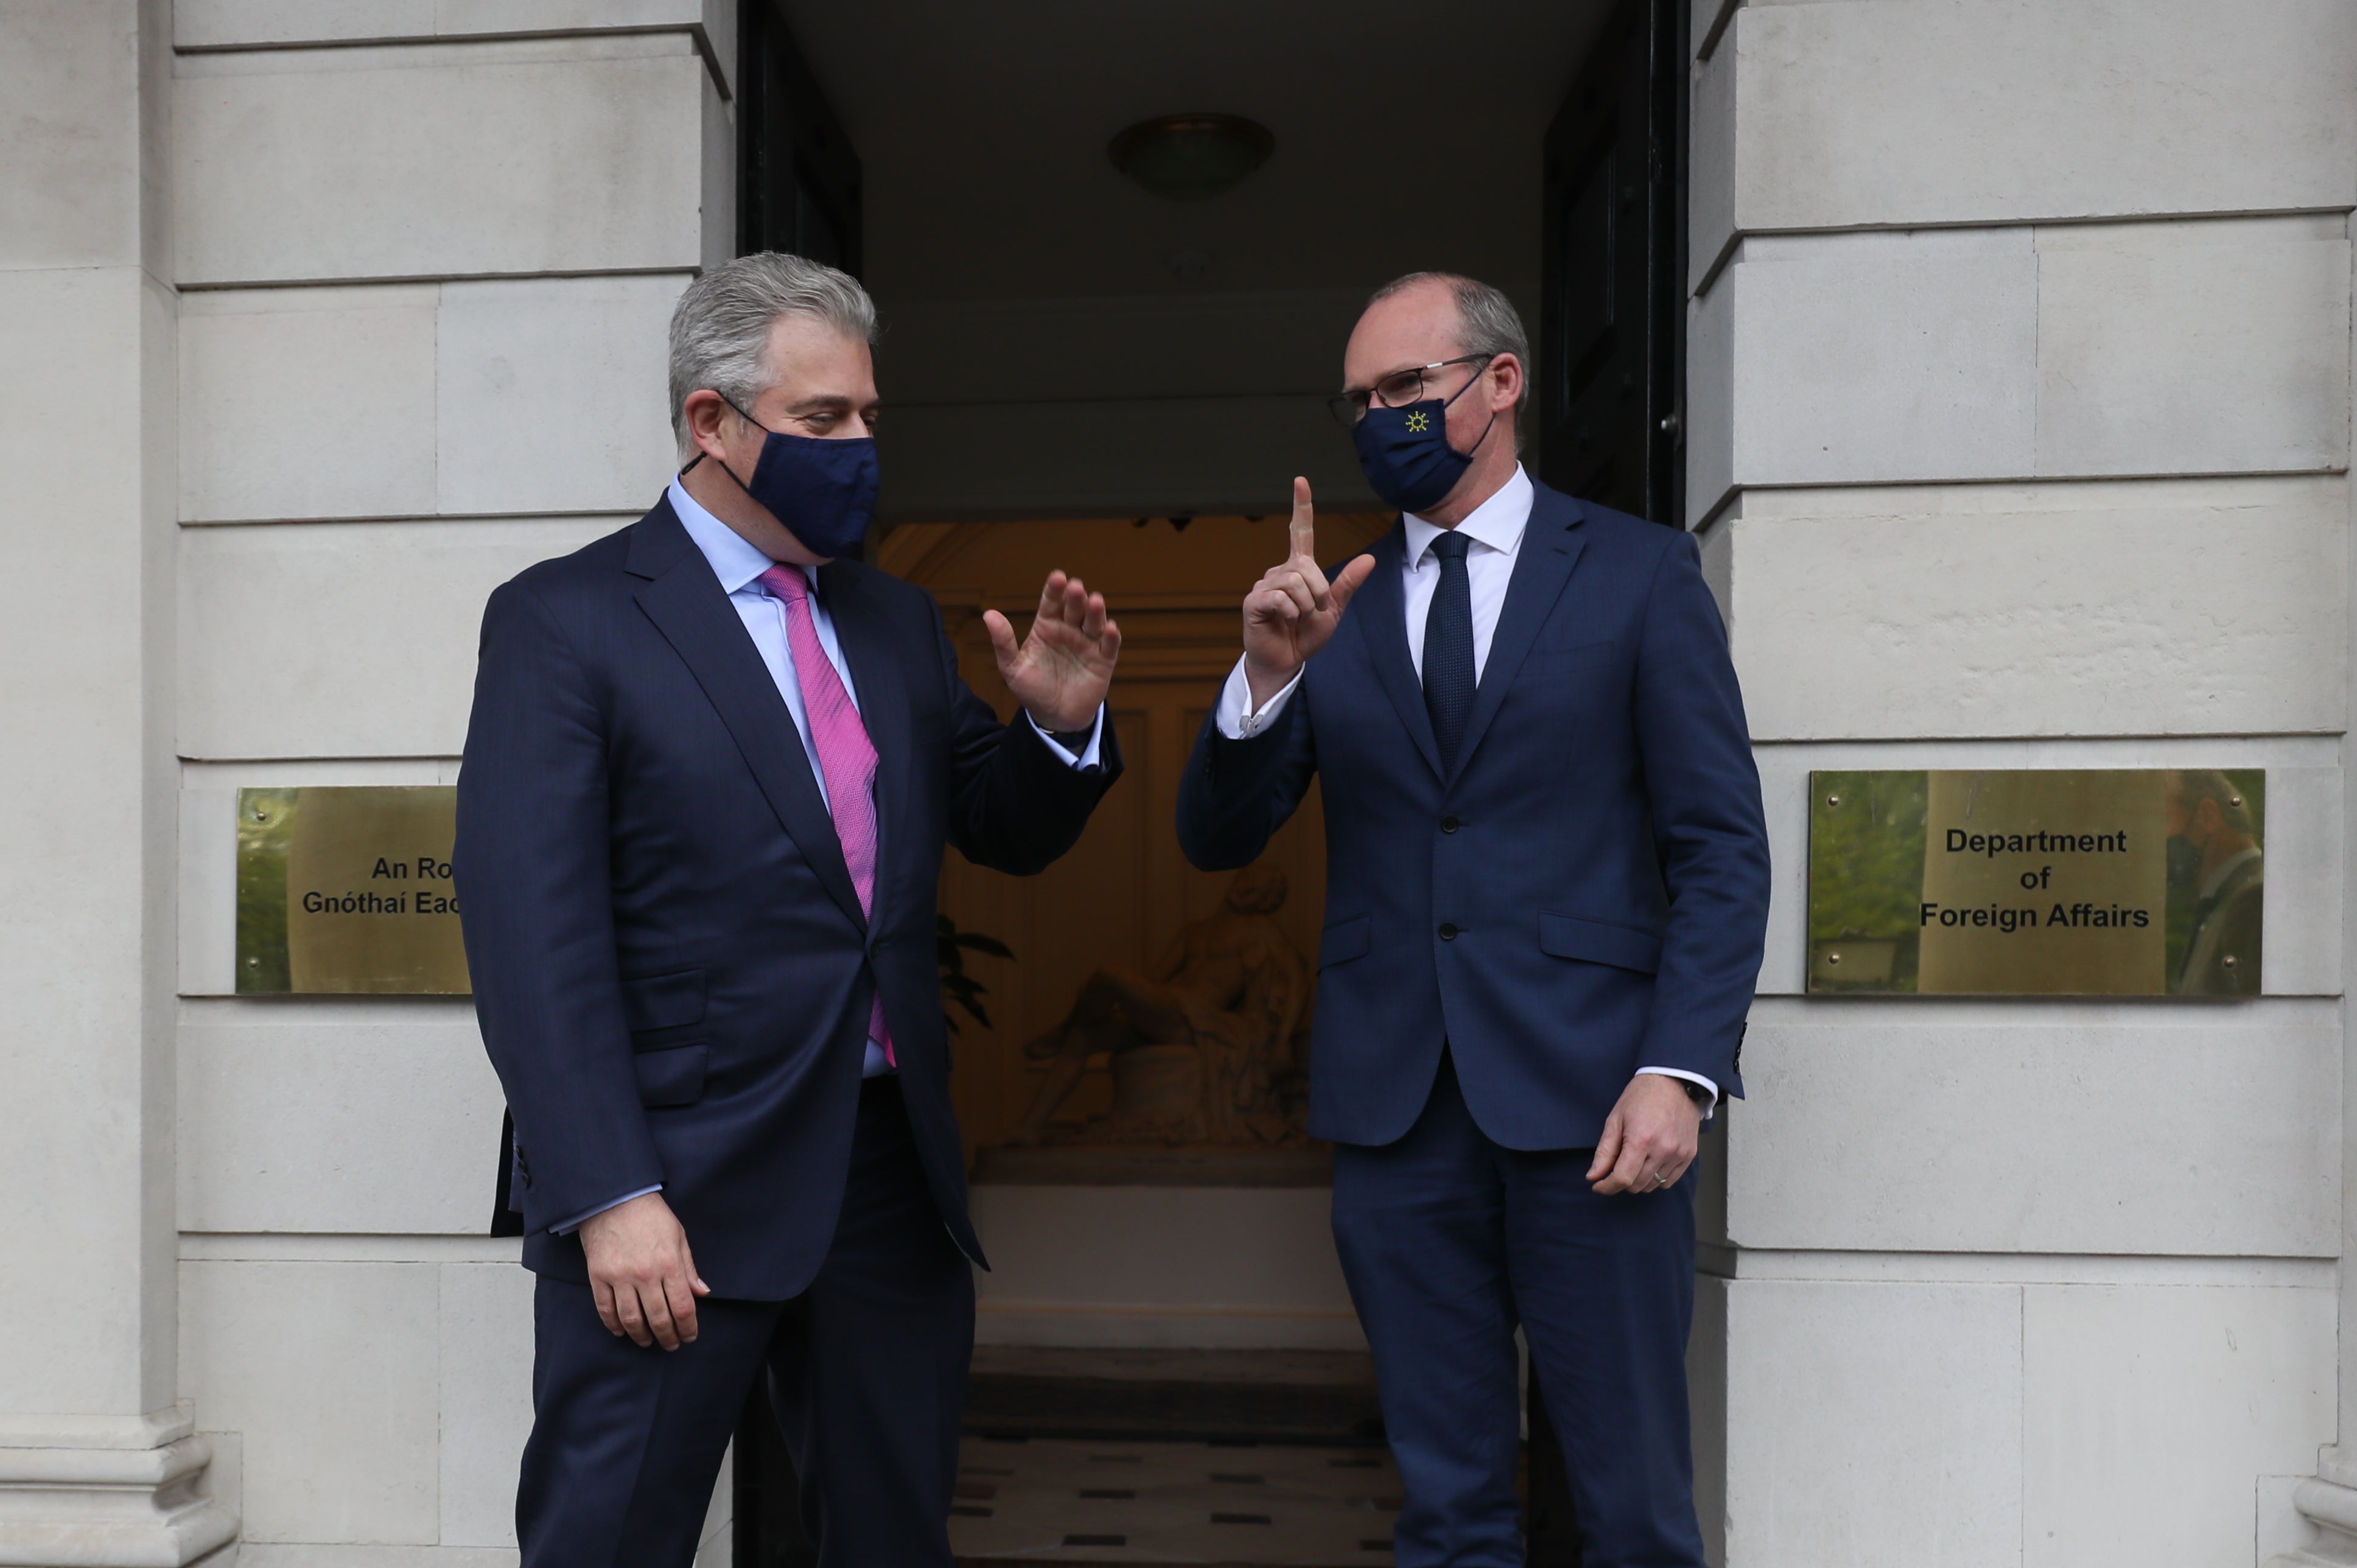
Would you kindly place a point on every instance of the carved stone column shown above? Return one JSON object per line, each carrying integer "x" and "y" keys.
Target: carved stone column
{"x": 99, "y": 1463}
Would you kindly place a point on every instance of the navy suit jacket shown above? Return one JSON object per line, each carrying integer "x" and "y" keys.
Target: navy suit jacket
{"x": 1585, "y": 894}
{"x": 671, "y": 966}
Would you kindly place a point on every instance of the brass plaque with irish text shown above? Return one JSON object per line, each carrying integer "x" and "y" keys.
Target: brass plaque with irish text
{"x": 347, "y": 891}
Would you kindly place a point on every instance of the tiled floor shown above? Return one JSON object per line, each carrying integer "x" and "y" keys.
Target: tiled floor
{"x": 1049, "y": 1501}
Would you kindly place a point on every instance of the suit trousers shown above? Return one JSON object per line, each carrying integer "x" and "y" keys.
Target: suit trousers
{"x": 1451, "y": 1242}
{"x": 866, "y": 1371}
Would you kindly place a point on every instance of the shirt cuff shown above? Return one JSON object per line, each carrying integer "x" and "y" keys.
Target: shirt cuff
{"x": 1709, "y": 1106}
{"x": 586, "y": 1215}
{"x": 1088, "y": 754}
{"x": 1234, "y": 715}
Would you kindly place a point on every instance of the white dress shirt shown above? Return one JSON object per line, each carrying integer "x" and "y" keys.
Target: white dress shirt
{"x": 1495, "y": 529}
{"x": 739, "y": 565}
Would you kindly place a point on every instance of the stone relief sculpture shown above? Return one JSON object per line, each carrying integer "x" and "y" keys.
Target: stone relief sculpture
{"x": 1208, "y": 1050}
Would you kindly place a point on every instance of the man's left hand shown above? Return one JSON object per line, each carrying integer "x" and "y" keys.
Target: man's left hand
{"x": 1649, "y": 1139}
{"x": 1064, "y": 669}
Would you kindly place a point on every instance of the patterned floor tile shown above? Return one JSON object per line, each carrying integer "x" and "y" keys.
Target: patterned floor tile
{"x": 1172, "y": 1503}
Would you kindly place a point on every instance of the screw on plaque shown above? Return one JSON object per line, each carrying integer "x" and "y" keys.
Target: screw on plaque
{"x": 1833, "y": 800}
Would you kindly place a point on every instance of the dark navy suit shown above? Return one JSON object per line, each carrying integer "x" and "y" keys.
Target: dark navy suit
{"x": 674, "y": 976}
{"x": 1506, "y": 943}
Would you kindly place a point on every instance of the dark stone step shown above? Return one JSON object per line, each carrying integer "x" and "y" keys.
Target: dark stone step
{"x": 1192, "y": 1396}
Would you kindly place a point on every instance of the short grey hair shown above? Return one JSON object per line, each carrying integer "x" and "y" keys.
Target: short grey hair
{"x": 720, "y": 328}
{"x": 1487, "y": 323}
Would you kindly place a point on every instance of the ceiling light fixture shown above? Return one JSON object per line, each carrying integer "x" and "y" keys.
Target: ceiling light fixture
{"x": 1190, "y": 156}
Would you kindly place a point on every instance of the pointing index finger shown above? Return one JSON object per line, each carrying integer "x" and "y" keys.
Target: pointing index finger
{"x": 1303, "y": 530}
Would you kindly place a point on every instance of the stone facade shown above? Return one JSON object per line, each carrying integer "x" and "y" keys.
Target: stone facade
{"x": 2019, "y": 424}
{"x": 2020, "y": 415}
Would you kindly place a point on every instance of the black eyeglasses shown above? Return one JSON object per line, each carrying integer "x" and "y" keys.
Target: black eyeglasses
{"x": 1397, "y": 390}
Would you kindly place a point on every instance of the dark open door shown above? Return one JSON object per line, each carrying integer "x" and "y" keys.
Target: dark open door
{"x": 1612, "y": 383}
{"x": 1611, "y": 348}
{"x": 798, "y": 174}
{"x": 798, "y": 191}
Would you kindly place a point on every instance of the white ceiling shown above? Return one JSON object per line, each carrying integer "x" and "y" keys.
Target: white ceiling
{"x": 1407, "y": 135}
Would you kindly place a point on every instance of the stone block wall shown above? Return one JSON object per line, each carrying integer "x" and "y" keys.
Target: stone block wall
{"x": 2020, "y": 428}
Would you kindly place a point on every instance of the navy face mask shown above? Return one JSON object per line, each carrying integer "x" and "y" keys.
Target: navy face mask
{"x": 1405, "y": 454}
{"x": 822, "y": 490}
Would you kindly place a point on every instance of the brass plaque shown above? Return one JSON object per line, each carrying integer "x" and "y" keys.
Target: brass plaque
{"x": 348, "y": 892}
{"x": 2143, "y": 882}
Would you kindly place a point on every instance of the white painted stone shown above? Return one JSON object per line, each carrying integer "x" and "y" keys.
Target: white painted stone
{"x": 1953, "y": 112}
{"x": 1991, "y": 1127}
{"x": 340, "y": 1425}
{"x": 439, "y": 160}
{"x": 1711, "y": 158}
{"x": 2149, "y": 1414}
{"x": 2282, "y": 1527}
{"x": 2194, "y": 347}
{"x": 1784, "y": 798}
{"x": 96, "y": 1491}
{"x": 207, "y": 892}
{"x": 2064, "y": 351}
{"x": 70, "y": 140}
{"x": 1873, "y": 1423}
{"x": 348, "y": 639}
{"x": 486, "y": 1398}
{"x": 2195, "y": 609}
{"x": 718, "y": 241}
{"x": 2303, "y": 828}
{"x": 551, "y": 394}
{"x": 1157, "y": 456}
{"x": 1710, "y": 405}
{"x": 1706, "y": 1392}
{"x": 232, "y": 24}
{"x": 1204, "y": 1267}
{"x": 308, "y": 402}
{"x": 716, "y": 1544}
{"x": 1882, "y": 358}
{"x": 264, "y": 1555}
{"x": 89, "y": 356}
{"x": 317, "y": 1116}
{"x": 2305, "y": 896}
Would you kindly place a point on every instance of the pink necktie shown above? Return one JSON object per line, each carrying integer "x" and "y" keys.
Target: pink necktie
{"x": 847, "y": 757}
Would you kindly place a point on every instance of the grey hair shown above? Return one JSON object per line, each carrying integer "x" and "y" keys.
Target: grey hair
{"x": 1487, "y": 323}
{"x": 720, "y": 328}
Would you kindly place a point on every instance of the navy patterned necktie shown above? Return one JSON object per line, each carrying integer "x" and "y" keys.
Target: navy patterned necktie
{"x": 1449, "y": 647}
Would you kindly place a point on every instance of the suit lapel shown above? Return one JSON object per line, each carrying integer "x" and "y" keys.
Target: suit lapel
{"x": 684, "y": 599}
{"x": 1551, "y": 548}
{"x": 1380, "y": 610}
{"x": 883, "y": 700}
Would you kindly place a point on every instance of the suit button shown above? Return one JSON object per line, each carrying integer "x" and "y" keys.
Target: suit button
{"x": 1448, "y": 931}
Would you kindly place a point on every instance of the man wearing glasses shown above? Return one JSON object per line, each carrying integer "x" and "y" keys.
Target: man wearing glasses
{"x": 1546, "y": 891}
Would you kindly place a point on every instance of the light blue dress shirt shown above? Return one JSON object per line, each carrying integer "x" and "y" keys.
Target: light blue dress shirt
{"x": 738, "y": 565}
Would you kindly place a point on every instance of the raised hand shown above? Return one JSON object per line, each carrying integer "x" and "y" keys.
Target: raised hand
{"x": 1064, "y": 669}
{"x": 1292, "y": 609}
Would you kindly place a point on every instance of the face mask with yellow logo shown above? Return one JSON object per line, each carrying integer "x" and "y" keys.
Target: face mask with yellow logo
{"x": 1404, "y": 452}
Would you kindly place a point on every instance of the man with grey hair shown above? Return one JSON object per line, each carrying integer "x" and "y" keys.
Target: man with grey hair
{"x": 712, "y": 770}
{"x": 1546, "y": 894}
